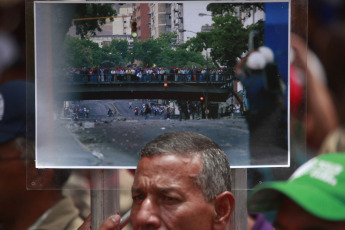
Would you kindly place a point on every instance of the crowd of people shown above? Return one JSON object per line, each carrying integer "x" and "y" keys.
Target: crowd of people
{"x": 143, "y": 74}
{"x": 76, "y": 111}
{"x": 187, "y": 111}
{"x": 153, "y": 110}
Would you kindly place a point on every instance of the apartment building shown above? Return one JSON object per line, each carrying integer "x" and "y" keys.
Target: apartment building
{"x": 142, "y": 17}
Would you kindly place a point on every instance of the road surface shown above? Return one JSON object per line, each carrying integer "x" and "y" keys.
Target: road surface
{"x": 99, "y": 141}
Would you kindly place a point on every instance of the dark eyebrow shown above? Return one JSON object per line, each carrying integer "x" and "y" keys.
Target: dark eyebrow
{"x": 160, "y": 190}
{"x": 165, "y": 190}
{"x": 136, "y": 190}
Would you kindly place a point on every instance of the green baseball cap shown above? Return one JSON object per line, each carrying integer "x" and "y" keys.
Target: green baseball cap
{"x": 318, "y": 186}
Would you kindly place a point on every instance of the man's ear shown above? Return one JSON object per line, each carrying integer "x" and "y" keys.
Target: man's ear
{"x": 224, "y": 207}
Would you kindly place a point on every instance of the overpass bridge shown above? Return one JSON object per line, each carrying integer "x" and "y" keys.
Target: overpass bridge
{"x": 211, "y": 91}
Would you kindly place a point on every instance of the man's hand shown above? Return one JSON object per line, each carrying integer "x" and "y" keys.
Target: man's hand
{"x": 111, "y": 223}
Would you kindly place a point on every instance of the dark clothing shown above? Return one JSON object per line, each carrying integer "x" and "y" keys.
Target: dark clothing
{"x": 260, "y": 222}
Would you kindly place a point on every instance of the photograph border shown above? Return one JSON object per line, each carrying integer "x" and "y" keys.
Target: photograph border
{"x": 39, "y": 119}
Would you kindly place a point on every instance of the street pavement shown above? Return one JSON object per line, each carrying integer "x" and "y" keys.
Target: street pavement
{"x": 100, "y": 141}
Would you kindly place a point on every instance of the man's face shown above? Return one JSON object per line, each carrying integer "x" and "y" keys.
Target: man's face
{"x": 165, "y": 197}
{"x": 292, "y": 217}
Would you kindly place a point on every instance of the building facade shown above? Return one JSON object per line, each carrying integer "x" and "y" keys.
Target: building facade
{"x": 142, "y": 16}
{"x": 166, "y": 18}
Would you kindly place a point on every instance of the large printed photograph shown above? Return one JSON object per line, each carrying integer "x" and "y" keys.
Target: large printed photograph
{"x": 111, "y": 76}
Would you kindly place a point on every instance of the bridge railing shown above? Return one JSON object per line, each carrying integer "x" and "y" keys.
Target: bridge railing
{"x": 114, "y": 78}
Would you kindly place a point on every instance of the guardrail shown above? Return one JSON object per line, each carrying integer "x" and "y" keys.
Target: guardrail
{"x": 92, "y": 78}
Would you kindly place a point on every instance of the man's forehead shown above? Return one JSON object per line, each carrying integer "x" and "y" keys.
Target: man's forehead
{"x": 169, "y": 160}
{"x": 168, "y": 167}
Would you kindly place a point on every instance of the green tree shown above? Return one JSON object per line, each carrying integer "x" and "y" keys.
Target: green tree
{"x": 146, "y": 51}
{"x": 87, "y": 18}
{"x": 164, "y": 52}
{"x": 63, "y": 15}
{"x": 228, "y": 39}
{"x": 219, "y": 9}
{"x": 120, "y": 49}
{"x": 80, "y": 52}
{"x": 110, "y": 57}
{"x": 184, "y": 58}
{"x": 167, "y": 40}
{"x": 202, "y": 41}
{"x": 98, "y": 14}
{"x": 84, "y": 52}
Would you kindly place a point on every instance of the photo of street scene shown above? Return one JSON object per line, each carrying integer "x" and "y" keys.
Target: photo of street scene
{"x": 112, "y": 76}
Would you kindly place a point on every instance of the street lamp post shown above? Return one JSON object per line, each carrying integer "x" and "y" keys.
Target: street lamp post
{"x": 203, "y": 14}
{"x": 182, "y": 30}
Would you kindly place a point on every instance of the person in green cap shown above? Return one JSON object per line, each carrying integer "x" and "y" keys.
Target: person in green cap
{"x": 312, "y": 198}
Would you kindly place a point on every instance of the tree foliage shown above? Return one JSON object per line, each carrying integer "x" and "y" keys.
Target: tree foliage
{"x": 84, "y": 52}
{"x": 164, "y": 52}
{"x": 87, "y": 18}
{"x": 161, "y": 52}
{"x": 219, "y": 9}
{"x": 95, "y": 11}
{"x": 120, "y": 49}
{"x": 228, "y": 39}
{"x": 81, "y": 52}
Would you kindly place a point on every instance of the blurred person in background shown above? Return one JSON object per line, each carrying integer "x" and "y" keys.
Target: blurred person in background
{"x": 320, "y": 117}
{"x": 312, "y": 198}
{"x": 30, "y": 198}
{"x": 317, "y": 70}
{"x": 334, "y": 142}
{"x": 266, "y": 115}
{"x": 326, "y": 39}
{"x": 25, "y": 201}
{"x": 314, "y": 113}
{"x": 326, "y": 36}
{"x": 12, "y": 40}
{"x": 316, "y": 86}
{"x": 69, "y": 184}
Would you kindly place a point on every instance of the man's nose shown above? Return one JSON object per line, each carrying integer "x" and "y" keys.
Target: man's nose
{"x": 148, "y": 215}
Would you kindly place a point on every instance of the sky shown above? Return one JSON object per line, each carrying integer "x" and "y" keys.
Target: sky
{"x": 192, "y": 20}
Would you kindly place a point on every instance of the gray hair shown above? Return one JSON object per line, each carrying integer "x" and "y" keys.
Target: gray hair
{"x": 214, "y": 177}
